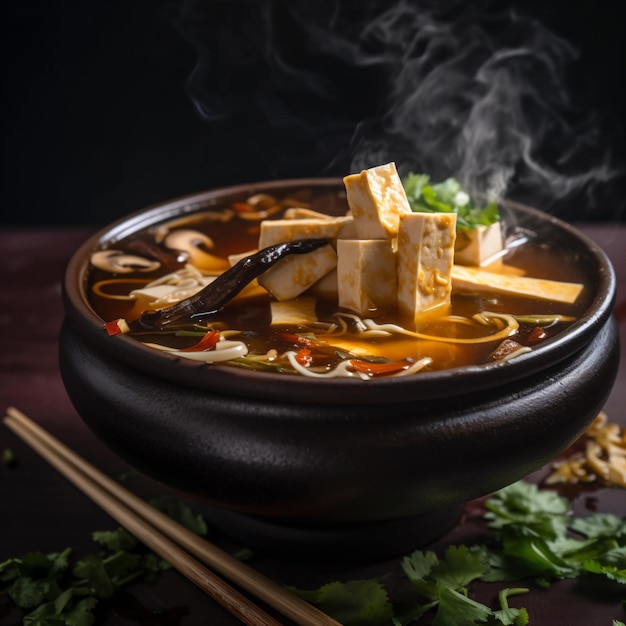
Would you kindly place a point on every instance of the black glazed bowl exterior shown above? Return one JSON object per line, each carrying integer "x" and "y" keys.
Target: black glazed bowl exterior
{"x": 308, "y": 452}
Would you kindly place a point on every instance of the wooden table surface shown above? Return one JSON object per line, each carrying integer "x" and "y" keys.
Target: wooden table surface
{"x": 40, "y": 510}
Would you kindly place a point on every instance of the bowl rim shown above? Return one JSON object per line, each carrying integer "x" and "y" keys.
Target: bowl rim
{"x": 225, "y": 379}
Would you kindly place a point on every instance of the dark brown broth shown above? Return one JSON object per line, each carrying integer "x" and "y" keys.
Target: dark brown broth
{"x": 252, "y": 315}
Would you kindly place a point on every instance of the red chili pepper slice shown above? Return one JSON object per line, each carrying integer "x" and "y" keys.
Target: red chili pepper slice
{"x": 377, "y": 369}
{"x": 113, "y": 328}
{"x": 242, "y": 207}
{"x": 208, "y": 342}
{"x": 297, "y": 339}
{"x": 117, "y": 327}
{"x": 303, "y": 356}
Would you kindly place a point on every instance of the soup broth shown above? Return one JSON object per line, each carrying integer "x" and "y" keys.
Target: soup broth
{"x": 336, "y": 343}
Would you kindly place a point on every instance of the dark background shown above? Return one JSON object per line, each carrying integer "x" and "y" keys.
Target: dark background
{"x": 97, "y": 120}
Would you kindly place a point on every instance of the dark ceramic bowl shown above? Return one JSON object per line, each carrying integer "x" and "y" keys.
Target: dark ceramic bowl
{"x": 284, "y": 460}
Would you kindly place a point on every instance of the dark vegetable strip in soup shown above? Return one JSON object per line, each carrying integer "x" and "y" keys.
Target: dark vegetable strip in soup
{"x": 225, "y": 287}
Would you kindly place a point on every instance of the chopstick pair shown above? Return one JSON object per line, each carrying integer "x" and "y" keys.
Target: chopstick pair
{"x": 170, "y": 540}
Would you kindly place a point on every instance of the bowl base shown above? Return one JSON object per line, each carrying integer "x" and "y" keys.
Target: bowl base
{"x": 371, "y": 541}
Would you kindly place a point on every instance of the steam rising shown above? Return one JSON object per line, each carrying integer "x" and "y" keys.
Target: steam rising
{"x": 474, "y": 92}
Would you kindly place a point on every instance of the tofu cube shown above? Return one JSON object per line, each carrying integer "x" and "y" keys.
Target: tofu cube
{"x": 279, "y": 231}
{"x": 294, "y": 274}
{"x": 425, "y": 259}
{"x": 477, "y": 280}
{"x": 478, "y": 246}
{"x": 294, "y": 312}
{"x": 366, "y": 275}
{"x": 298, "y": 213}
{"x": 376, "y": 199}
{"x": 326, "y": 287}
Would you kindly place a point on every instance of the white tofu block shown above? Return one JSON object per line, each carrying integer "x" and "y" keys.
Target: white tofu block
{"x": 366, "y": 275}
{"x": 376, "y": 199}
{"x": 474, "y": 279}
{"x": 298, "y": 213}
{"x": 425, "y": 259}
{"x": 294, "y": 274}
{"x": 299, "y": 311}
{"x": 326, "y": 287}
{"x": 160, "y": 296}
{"x": 478, "y": 246}
{"x": 279, "y": 231}
{"x": 233, "y": 259}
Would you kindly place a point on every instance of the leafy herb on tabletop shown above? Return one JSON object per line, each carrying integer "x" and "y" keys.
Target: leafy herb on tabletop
{"x": 8, "y": 458}
{"x": 532, "y": 536}
{"x": 440, "y": 585}
{"x": 64, "y": 588}
{"x": 448, "y": 197}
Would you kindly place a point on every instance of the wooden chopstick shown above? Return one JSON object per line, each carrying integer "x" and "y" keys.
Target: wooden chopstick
{"x": 168, "y": 538}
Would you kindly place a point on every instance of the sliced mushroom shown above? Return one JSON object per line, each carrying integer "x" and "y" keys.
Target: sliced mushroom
{"x": 217, "y": 215}
{"x": 119, "y": 262}
{"x": 261, "y": 206}
{"x": 196, "y": 245}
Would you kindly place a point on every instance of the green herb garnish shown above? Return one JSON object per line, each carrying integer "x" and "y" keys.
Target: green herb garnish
{"x": 8, "y": 457}
{"x": 532, "y": 536}
{"x": 448, "y": 197}
{"x": 63, "y": 588}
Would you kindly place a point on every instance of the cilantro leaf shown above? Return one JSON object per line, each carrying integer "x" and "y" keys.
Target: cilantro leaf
{"x": 460, "y": 567}
{"x": 82, "y": 613}
{"x": 610, "y": 571}
{"x": 448, "y": 197}
{"x": 115, "y": 540}
{"x": 456, "y": 609}
{"x": 418, "y": 567}
{"x": 352, "y": 603}
{"x": 62, "y": 589}
{"x": 601, "y": 525}
{"x": 92, "y": 569}
{"x": 180, "y": 512}
{"x": 523, "y": 543}
{"x": 522, "y": 503}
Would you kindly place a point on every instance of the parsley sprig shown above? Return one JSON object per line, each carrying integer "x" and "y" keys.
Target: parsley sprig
{"x": 533, "y": 536}
{"x": 448, "y": 197}
{"x": 64, "y": 588}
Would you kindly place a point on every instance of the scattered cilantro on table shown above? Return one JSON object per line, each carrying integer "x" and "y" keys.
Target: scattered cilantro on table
{"x": 64, "y": 588}
{"x": 8, "y": 458}
{"x": 448, "y": 197}
{"x": 532, "y": 536}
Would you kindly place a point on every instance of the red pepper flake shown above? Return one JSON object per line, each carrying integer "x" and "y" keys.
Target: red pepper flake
{"x": 297, "y": 339}
{"x": 116, "y": 327}
{"x": 242, "y": 207}
{"x": 378, "y": 369}
{"x": 208, "y": 342}
{"x": 303, "y": 356}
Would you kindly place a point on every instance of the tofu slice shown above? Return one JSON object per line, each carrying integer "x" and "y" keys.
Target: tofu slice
{"x": 326, "y": 287}
{"x": 475, "y": 279}
{"x": 279, "y": 231}
{"x": 298, "y": 213}
{"x": 478, "y": 246}
{"x": 293, "y": 275}
{"x": 233, "y": 259}
{"x": 299, "y": 311}
{"x": 376, "y": 198}
{"x": 366, "y": 275}
{"x": 425, "y": 259}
